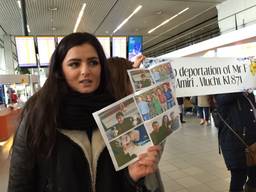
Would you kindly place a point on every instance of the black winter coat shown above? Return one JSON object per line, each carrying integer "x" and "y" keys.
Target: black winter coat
{"x": 180, "y": 100}
{"x": 68, "y": 169}
{"x": 237, "y": 112}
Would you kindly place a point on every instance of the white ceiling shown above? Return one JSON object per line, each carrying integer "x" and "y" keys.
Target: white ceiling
{"x": 101, "y": 17}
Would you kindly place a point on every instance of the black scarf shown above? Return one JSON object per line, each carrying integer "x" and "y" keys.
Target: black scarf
{"x": 76, "y": 110}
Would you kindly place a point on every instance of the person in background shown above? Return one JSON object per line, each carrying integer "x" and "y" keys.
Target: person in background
{"x": 180, "y": 101}
{"x": 14, "y": 97}
{"x": 58, "y": 146}
{"x": 238, "y": 111}
{"x": 121, "y": 87}
{"x": 203, "y": 107}
{"x": 193, "y": 100}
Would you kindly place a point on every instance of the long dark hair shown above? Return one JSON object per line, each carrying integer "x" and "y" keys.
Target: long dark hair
{"x": 120, "y": 83}
{"x": 42, "y": 109}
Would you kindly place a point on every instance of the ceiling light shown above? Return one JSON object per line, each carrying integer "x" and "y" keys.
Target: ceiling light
{"x": 160, "y": 12}
{"x": 53, "y": 9}
{"x": 125, "y": 21}
{"x": 54, "y": 28}
{"x": 19, "y": 4}
{"x": 28, "y": 28}
{"x": 167, "y": 20}
{"x": 79, "y": 17}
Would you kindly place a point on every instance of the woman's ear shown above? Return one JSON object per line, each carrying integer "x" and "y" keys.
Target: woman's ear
{"x": 59, "y": 74}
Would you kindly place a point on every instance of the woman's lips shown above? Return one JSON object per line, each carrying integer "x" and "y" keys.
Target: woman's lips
{"x": 86, "y": 82}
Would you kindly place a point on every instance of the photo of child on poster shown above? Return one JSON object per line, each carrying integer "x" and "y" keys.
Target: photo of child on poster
{"x": 120, "y": 118}
{"x": 129, "y": 145}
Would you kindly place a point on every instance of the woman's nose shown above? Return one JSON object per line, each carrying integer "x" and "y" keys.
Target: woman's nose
{"x": 85, "y": 69}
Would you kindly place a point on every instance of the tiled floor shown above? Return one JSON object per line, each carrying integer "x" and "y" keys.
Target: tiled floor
{"x": 190, "y": 162}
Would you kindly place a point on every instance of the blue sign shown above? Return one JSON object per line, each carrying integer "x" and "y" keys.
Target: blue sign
{"x": 134, "y": 47}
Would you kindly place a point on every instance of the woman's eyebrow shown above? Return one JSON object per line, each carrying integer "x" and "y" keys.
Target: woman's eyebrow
{"x": 74, "y": 59}
{"x": 91, "y": 58}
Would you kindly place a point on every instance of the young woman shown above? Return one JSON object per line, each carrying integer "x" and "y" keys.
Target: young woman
{"x": 58, "y": 146}
{"x": 121, "y": 85}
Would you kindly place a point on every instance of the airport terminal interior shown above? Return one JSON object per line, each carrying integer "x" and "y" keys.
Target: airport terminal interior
{"x": 215, "y": 38}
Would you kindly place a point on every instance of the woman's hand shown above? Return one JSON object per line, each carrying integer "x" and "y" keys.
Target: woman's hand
{"x": 138, "y": 61}
{"x": 247, "y": 92}
{"x": 147, "y": 163}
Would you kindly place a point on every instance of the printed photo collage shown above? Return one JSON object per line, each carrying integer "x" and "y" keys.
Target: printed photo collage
{"x": 138, "y": 121}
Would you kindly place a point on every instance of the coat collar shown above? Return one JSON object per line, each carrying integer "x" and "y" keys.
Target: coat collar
{"x": 91, "y": 150}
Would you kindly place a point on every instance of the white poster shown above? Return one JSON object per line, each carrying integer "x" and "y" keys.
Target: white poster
{"x": 196, "y": 76}
{"x": 207, "y": 76}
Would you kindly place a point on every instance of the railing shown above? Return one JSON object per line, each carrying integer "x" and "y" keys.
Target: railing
{"x": 238, "y": 20}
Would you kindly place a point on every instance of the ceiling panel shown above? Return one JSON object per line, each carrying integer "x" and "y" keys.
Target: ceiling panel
{"x": 101, "y": 17}
{"x": 10, "y": 17}
{"x": 181, "y": 26}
